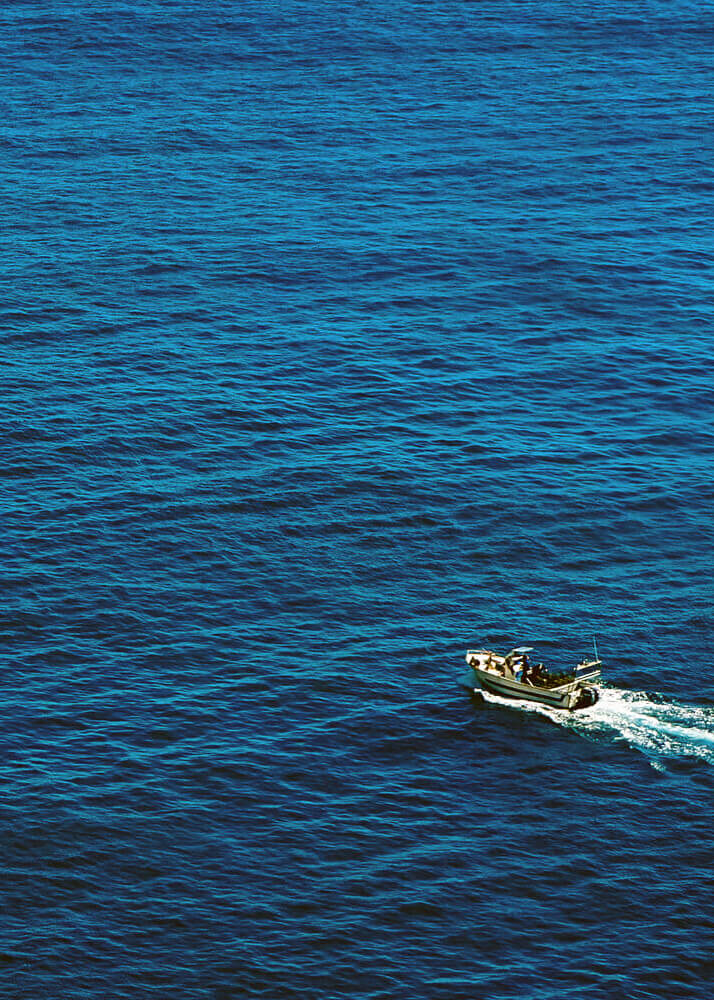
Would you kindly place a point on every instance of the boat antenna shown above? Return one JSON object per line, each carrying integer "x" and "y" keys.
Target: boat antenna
{"x": 595, "y": 647}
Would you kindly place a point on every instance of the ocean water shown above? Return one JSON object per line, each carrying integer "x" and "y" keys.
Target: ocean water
{"x": 336, "y": 339}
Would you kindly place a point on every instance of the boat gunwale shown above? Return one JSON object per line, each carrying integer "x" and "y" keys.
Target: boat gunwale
{"x": 517, "y": 686}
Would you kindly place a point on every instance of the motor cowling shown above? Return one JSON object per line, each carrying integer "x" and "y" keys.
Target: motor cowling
{"x": 587, "y": 698}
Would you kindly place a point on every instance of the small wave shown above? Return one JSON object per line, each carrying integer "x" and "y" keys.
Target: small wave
{"x": 658, "y": 727}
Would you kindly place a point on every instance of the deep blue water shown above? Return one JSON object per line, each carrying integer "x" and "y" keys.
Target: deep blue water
{"x": 336, "y": 339}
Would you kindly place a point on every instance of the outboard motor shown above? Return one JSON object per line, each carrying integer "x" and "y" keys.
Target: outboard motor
{"x": 588, "y": 697}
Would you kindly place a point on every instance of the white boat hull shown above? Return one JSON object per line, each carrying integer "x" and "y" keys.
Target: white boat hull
{"x": 506, "y": 688}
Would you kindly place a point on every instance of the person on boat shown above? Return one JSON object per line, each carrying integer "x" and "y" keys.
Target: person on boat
{"x": 525, "y": 666}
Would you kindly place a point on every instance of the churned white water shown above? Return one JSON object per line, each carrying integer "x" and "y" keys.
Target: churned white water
{"x": 658, "y": 728}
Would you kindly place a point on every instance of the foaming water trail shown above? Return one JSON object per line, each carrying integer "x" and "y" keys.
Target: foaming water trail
{"x": 659, "y": 729}
{"x": 663, "y": 729}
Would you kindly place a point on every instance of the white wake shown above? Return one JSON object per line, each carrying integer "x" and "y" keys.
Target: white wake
{"x": 660, "y": 729}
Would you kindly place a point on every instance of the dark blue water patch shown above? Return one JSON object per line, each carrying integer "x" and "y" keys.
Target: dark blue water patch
{"x": 335, "y": 342}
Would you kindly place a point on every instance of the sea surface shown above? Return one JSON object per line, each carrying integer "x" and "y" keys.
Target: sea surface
{"x": 336, "y": 339}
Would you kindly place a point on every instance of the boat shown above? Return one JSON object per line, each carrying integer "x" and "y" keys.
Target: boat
{"x": 513, "y": 676}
